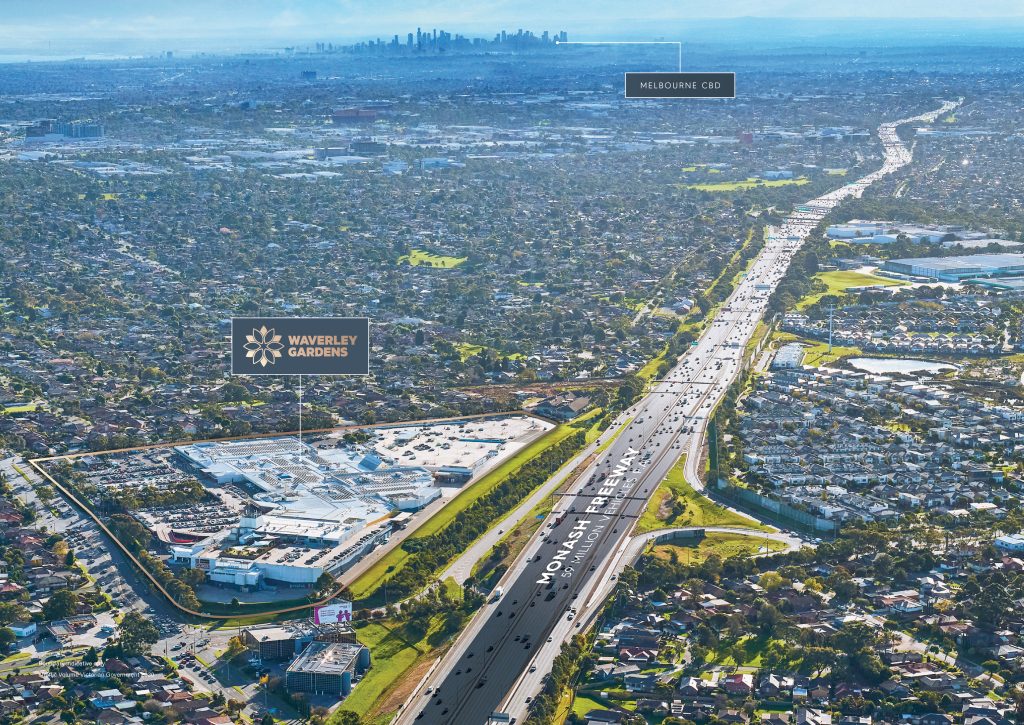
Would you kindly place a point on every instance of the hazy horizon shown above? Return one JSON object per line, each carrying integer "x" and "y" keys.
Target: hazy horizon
{"x": 118, "y": 27}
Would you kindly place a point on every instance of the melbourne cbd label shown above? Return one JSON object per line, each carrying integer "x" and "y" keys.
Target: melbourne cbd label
{"x": 300, "y": 346}
{"x": 680, "y": 85}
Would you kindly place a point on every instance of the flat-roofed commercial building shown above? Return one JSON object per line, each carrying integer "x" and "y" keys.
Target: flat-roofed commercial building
{"x": 789, "y": 356}
{"x": 954, "y": 269}
{"x": 327, "y": 668}
{"x": 885, "y": 232}
{"x": 315, "y": 508}
{"x": 279, "y": 641}
{"x": 1004, "y": 284}
{"x": 251, "y": 565}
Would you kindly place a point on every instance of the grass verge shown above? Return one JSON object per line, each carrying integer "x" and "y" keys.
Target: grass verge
{"x": 501, "y": 556}
{"x": 816, "y": 352}
{"x": 723, "y": 544}
{"x": 749, "y": 183}
{"x": 675, "y": 503}
{"x": 836, "y": 283}
{"x": 373, "y": 577}
{"x": 399, "y": 660}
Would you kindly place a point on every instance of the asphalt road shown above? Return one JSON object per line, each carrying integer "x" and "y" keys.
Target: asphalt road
{"x": 581, "y": 536}
{"x": 584, "y": 533}
{"x": 462, "y": 567}
{"x": 569, "y": 557}
{"x": 516, "y": 704}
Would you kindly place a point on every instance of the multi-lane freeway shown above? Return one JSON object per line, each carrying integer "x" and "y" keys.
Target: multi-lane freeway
{"x": 554, "y": 587}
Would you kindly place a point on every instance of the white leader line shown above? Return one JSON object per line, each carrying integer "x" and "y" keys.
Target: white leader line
{"x": 677, "y": 43}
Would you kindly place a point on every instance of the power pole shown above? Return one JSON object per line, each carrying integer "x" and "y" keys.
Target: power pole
{"x": 712, "y": 435}
{"x": 831, "y": 310}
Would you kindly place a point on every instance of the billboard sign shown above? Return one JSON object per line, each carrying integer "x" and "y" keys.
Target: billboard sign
{"x": 333, "y": 613}
{"x": 300, "y": 346}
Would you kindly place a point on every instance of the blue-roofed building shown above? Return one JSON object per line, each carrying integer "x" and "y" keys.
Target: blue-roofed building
{"x": 954, "y": 269}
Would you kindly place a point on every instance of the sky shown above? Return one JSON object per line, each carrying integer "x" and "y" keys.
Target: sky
{"x": 119, "y": 26}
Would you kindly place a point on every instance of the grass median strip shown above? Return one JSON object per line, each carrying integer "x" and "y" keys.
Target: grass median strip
{"x": 494, "y": 564}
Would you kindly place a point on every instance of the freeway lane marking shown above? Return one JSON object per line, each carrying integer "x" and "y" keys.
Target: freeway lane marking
{"x": 775, "y": 257}
{"x": 599, "y": 535}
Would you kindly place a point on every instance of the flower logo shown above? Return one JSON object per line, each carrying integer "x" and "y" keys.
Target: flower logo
{"x": 263, "y": 346}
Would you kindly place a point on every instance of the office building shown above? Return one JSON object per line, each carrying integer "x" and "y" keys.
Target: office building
{"x": 281, "y": 641}
{"x": 327, "y": 668}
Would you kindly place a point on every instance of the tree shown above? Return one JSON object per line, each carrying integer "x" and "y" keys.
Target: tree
{"x": 629, "y": 391}
{"x": 771, "y": 580}
{"x": 738, "y": 653}
{"x": 12, "y": 612}
{"x": 844, "y": 587}
{"x": 855, "y": 636}
{"x": 235, "y": 648}
{"x": 453, "y": 621}
{"x": 7, "y": 638}
{"x": 706, "y": 636}
{"x": 136, "y": 633}
{"x": 233, "y": 393}
{"x": 768, "y": 619}
{"x": 711, "y": 568}
{"x": 61, "y": 605}
{"x": 665, "y": 690}
{"x": 133, "y": 534}
{"x": 193, "y": 577}
{"x": 346, "y": 717}
{"x": 776, "y": 656}
{"x": 325, "y": 582}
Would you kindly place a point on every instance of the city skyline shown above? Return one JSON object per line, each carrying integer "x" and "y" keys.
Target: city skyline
{"x": 649, "y": 364}
{"x": 116, "y": 27}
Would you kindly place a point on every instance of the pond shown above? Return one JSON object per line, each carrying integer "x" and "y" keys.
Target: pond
{"x": 883, "y": 365}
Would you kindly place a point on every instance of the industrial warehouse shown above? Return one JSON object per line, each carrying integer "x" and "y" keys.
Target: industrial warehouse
{"x": 959, "y": 268}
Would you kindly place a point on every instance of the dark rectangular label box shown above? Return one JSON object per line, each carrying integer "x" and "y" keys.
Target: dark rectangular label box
{"x": 300, "y": 346}
{"x": 680, "y": 85}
